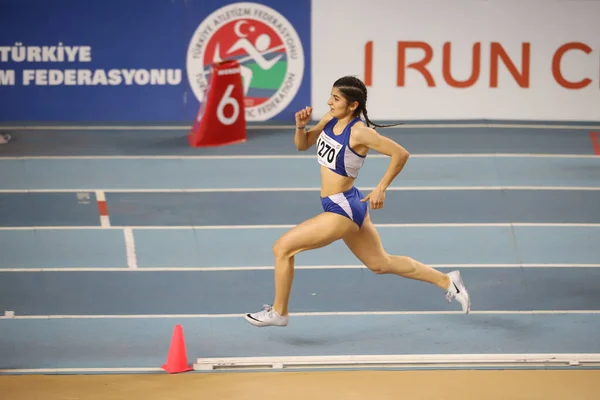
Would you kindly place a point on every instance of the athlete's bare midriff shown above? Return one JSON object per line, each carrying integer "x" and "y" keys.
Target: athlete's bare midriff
{"x": 332, "y": 183}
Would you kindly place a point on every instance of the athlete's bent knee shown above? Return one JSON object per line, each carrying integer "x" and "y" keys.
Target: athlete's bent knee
{"x": 283, "y": 249}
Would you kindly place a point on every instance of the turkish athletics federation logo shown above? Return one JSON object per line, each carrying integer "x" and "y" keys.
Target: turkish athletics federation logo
{"x": 265, "y": 44}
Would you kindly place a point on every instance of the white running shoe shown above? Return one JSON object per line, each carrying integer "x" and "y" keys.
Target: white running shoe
{"x": 266, "y": 317}
{"x": 458, "y": 291}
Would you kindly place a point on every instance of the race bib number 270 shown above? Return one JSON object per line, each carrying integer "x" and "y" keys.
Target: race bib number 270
{"x": 327, "y": 150}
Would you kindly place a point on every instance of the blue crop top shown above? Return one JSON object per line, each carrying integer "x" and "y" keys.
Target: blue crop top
{"x": 334, "y": 152}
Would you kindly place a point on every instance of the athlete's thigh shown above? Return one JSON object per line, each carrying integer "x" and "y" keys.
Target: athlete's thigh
{"x": 315, "y": 232}
{"x": 366, "y": 244}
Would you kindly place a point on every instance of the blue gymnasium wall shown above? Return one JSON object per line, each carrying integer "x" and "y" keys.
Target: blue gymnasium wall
{"x": 121, "y": 34}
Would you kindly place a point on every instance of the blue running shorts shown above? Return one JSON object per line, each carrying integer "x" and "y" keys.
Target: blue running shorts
{"x": 347, "y": 204}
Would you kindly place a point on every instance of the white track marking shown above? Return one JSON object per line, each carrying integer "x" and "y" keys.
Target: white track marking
{"x": 130, "y": 248}
{"x": 104, "y": 219}
{"x": 234, "y": 227}
{"x": 294, "y": 156}
{"x": 306, "y": 189}
{"x": 268, "y": 268}
{"x": 300, "y": 314}
{"x": 303, "y": 314}
{"x": 532, "y": 125}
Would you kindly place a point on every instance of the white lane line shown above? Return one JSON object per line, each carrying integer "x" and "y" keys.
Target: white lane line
{"x": 516, "y": 125}
{"x": 303, "y": 189}
{"x": 241, "y": 227}
{"x": 293, "y": 156}
{"x": 268, "y": 268}
{"x": 299, "y": 314}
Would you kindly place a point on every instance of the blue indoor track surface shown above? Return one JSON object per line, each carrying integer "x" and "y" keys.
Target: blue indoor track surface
{"x": 111, "y": 236}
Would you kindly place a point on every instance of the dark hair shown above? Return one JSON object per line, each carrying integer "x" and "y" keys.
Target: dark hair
{"x": 353, "y": 90}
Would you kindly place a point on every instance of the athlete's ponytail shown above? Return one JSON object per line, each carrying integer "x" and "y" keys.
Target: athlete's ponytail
{"x": 353, "y": 89}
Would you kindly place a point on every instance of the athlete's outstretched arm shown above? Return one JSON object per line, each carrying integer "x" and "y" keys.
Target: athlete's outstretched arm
{"x": 305, "y": 138}
{"x": 398, "y": 157}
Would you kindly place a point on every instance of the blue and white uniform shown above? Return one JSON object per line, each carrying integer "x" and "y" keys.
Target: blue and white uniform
{"x": 335, "y": 153}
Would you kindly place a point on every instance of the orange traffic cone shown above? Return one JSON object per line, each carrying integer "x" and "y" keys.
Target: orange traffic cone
{"x": 177, "y": 358}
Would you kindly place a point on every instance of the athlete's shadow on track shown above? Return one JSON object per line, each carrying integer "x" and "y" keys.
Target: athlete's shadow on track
{"x": 335, "y": 337}
{"x": 413, "y": 332}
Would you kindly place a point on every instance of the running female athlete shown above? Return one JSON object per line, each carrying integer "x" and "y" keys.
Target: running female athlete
{"x": 342, "y": 142}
